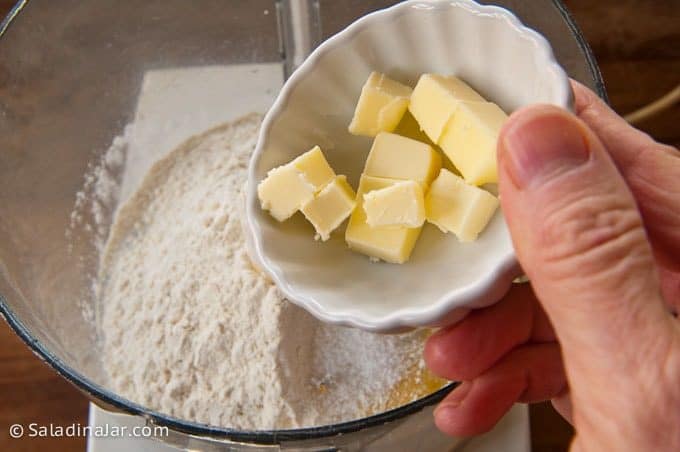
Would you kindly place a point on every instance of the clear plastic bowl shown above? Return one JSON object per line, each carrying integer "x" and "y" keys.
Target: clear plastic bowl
{"x": 70, "y": 74}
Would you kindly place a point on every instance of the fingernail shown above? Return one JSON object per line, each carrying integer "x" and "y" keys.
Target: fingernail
{"x": 456, "y": 397}
{"x": 541, "y": 144}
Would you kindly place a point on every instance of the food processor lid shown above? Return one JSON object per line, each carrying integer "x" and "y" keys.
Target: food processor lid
{"x": 571, "y": 49}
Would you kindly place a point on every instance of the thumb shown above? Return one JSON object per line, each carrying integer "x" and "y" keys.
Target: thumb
{"x": 581, "y": 240}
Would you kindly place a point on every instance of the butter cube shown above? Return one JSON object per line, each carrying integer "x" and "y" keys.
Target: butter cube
{"x": 457, "y": 207}
{"x": 400, "y": 204}
{"x": 284, "y": 191}
{"x": 469, "y": 140}
{"x": 396, "y": 157}
{"x": 435, "y": 99}
{"x": 330, "y": 207}
{"x": 287, "y": 188}
{"x": 315, "y": 167}
{"x": 408, "y": 127}
{"x": 381, "y": 105}
{"x": 391, "y": 244}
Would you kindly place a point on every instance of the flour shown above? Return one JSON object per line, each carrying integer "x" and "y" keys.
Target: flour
{"x": 189, "y": 328}
{"x": 99, "y": 195}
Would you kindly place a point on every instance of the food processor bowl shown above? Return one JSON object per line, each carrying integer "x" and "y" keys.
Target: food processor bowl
{"x": 70, "y": 75}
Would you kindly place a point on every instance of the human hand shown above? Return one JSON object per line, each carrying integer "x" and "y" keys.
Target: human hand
{"x": 593, "y": 207}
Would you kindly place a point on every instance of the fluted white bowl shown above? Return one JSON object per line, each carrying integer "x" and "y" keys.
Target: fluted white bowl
{"x": 489, "y": 48}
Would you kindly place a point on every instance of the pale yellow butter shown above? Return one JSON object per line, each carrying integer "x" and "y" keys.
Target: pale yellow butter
{"x": 400, "y": 204}
{"x": 287, "y": 188}
{"x": 284, "y": 191}
{"x": 470, "y": 138}
{"x": 408, "y": 127}
{"x": 435, "y": 99}
{"x": 396, "y": 157}
{"x": 455, "y": 206}
{"x": 315, "y": 167}
{"x": 391, "y": 244}
{"x": 330, "y": 207}
{"x": 381, "y": 105}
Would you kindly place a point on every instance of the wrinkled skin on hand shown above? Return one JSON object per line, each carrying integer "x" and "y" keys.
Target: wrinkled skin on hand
{"x": 593, "y": 207}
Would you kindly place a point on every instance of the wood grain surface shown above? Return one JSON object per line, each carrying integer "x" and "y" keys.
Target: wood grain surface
{"x": 637, "y": 44}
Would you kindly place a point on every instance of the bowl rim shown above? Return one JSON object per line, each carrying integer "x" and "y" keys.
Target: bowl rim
{"x": 486, "y": 290}
{"x": 102, "y": 395}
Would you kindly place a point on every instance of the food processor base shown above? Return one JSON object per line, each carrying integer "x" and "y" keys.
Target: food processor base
{"x": 511, "y": 434}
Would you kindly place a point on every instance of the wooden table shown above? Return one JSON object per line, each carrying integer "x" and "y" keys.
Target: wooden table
{"x": 637, "y": 45}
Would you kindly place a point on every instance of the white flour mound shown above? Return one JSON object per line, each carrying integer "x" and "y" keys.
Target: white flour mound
{"x": 189, "y": 328}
